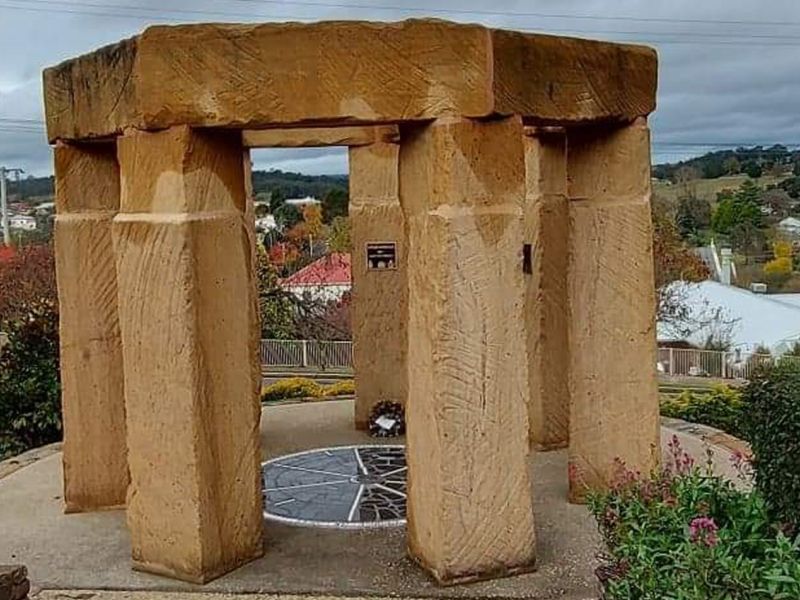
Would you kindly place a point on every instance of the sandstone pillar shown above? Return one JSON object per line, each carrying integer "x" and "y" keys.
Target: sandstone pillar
{"x": 613, "y": 384}
{"x": 93, "y": 403}
{"x": 380, "y": 289}
{"x": 188, "y": 321}
{"x": 546, "y": 220}
{"x": 462, "y": 185}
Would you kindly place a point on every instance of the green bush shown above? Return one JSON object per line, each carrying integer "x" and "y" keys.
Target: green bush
{"x": 721, "y": 407}
{"x": 685, "y": 534}
{"x": 293, "y": 387}
{"x": 772, "y": 420}
{"x": 340, "y": 388}
{"x": 30, "y": 402}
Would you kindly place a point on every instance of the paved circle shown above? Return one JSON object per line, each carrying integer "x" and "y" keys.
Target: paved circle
{"x": 350, "y": 487}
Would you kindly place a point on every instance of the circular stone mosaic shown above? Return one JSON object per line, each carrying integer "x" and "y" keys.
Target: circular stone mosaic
{"x": 347, "y": 486}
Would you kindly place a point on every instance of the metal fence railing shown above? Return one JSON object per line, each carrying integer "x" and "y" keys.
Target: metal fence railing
{"x": 671, "y": 361}
{"x": 306, "y": 353}
{"x": 712, "y": 363}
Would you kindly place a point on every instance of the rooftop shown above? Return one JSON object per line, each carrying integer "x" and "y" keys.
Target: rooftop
{"x": 332, "y": 269}
{"x": 756, "y": 319}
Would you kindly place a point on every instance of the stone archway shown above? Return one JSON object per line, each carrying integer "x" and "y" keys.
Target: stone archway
{"x": 518, "y": 189}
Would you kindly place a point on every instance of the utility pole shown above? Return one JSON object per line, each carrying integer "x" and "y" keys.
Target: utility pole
{"x": 4, "y": 201}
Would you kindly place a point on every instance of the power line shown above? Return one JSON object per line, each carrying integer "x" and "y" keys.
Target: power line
{"x": 497, "y": 13}
{"x": 250, "y": 15}
{"x": 66, "y": 8}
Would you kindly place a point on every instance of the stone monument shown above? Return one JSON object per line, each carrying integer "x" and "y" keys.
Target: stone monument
{"x": 503, "y": 274}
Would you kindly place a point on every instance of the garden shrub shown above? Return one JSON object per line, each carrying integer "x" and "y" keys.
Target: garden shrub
{"x": 772, "y": 420}
{"x": 686, "y": 534}
{"x": 30, "y": 404}
{"x": 301, "y": 387}
{"x": 721, "y": 407}
{"x": 293, "y": 387}
{"x": 340, "y": 388}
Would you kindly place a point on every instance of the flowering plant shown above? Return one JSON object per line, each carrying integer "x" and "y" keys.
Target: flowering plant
{"x": 684, "y": 533}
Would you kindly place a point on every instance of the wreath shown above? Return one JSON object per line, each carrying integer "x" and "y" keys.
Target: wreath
{"x": 387, "y": 419}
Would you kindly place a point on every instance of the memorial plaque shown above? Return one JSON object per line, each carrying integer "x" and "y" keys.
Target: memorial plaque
{"x": 381, "y": 256}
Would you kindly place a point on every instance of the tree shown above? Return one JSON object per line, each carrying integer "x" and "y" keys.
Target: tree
{"x": 752, "y": 169}
{"x": 738, "y": 213}
{"x": 782, "y": 249}
{"x": 693, "y": 214}
{"x": 778, "y": 271}
{"x": 673, "y": 261}
{"x": 732, "y": 165}
{"x": 791, "y": 186}
{"x": 335, "y": 204}
{"x": 778, "y": 202}
{"x": 287, "y": 216}
{"x": 339, "y": 235}
{"x": 275, "y": 311}
{"x": 685, "y": 174}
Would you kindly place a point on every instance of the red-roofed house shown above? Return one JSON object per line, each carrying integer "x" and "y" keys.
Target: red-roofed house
{"x": 327, "y": 278}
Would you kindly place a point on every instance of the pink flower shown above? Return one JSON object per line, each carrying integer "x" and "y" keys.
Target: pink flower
{"x": 703, "y": 530}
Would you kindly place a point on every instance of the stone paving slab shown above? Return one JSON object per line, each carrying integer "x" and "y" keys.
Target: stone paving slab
{"x": 91, "y": 551}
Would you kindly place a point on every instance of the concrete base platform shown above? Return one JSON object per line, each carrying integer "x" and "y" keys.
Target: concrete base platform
{"x": 91, "y": 551}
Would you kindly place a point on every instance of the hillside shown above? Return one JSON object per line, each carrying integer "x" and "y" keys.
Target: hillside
{"x": 707, "y": 189}
{"x": 754, "y": 162}
{"x": 282, "y": 184}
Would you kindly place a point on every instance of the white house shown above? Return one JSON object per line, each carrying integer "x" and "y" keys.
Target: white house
{"x": 790, "y": 226}
{"x": 24, "y": 222}
{"x": 266, "y": 223}
{"x": 302, "y": 201}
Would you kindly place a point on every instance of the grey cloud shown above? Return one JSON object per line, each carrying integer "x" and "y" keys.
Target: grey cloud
{"x": 736, "y": 90}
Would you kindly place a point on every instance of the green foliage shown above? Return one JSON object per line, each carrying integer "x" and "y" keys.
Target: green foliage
{"x": 287, "y": 216}
{"x": 284, "y": 184}
{"x": 339, "y": 235}
{"x": 305, "y": 389}
{"x": 753, "y": 169}
{"x": 753, "y": 161}
{"x": 275, "y": 308}
{"x": 792, "y": 185}
{"x": 30, "y": 405}
{"x": 685, "y": 534}
{"x": 721, "y": 408}
{"x": 693, "y": 215}
{"x": 334, "y": 205}
{"x": 772, "y": 420}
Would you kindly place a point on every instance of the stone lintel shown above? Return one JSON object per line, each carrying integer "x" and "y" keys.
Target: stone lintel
{"x": 320, "y": 136}
{"x": 342, "y": 73}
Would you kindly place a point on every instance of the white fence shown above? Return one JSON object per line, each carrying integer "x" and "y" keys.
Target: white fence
{"x": 306, "y": 353}
{"x": 712, "y": 363}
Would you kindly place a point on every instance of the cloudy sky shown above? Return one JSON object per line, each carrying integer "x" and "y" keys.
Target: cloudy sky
{"x": 729, "y": 69}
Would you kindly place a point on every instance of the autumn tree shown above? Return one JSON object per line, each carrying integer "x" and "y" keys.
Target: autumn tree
{"x": 693, "y": 215}
{"x": 339, "y": 235}
{"x": 674, "y": 261}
